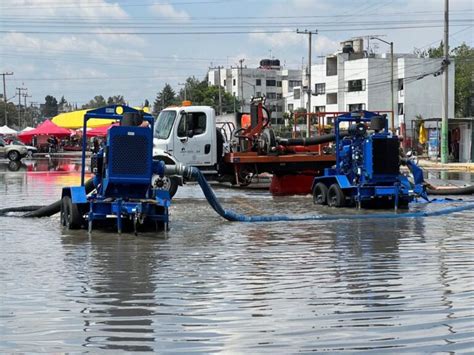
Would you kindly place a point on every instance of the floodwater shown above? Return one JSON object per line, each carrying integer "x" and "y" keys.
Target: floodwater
{"x": 393, "y": 286}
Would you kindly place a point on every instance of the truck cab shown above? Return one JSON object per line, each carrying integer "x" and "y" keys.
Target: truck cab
{"x": 187, "y": 135}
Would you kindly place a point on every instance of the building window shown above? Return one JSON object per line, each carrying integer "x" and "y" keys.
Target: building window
{"x": 290, "y": 107}
{"x": 400, "y": 85}
{"x": 258, "y": 82}
{"x": 400, "y": 108}
{"x": 279, "y": 96}
{"x": 258, "y": 94}
{"x": 331, "y": 99}
{"x": 356, "y": 85}
{"x": 225, "y": 82}
{"x": 320, "y": 89}
{"x": 279, "y": 108}
{"x": 319, "y": 108}
{"x": 233, "y": 82}
{"x": 331, "y": 66}
{"x": 356, "y": 107}
{"x": 271, "y": 82}
{"x": 279, "y": 84}
{"x": 293, "y": 83}
{"x": 297, "y": 94}
{"x": 271, "y": 95}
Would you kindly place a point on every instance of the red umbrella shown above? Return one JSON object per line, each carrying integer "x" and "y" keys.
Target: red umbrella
{"x": 47, "y": 128}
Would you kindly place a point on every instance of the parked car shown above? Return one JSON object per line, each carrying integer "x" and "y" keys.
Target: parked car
{"x": 13, "y": 152}
{"x": 31, "y": 150}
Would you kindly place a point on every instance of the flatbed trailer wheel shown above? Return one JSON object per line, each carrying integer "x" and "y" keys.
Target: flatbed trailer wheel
{"x": 170, "y": 183}
{"x": 320, "y": 194}
{"x": 336, "y": 197}
{"x": 71, "y": 217}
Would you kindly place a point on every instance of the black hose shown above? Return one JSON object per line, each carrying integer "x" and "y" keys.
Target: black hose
{"x": 326, "y": 138}
{"x": 43, "y": 211}
{"x": 467, "y": 190}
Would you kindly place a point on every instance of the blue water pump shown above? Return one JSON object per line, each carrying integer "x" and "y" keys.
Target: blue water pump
{"x": 124, "y": 188}
{"x": 367, "y": 171}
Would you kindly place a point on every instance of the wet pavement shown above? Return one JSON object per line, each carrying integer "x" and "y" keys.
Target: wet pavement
{"x": 403, "y": 285}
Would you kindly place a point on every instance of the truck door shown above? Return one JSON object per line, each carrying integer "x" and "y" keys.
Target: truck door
{"x": 194, "y": 139}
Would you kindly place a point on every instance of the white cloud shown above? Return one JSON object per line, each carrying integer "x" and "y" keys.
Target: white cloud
{"x": 278, "y": 40}
{"x": 168, "y": 11}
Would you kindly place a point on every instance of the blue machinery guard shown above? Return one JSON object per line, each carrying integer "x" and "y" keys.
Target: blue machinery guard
{"x": 237, "y": 217}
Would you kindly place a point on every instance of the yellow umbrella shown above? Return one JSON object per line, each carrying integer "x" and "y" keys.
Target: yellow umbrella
{"x": 423, "y": 136}
{"x": 75, "y": 119}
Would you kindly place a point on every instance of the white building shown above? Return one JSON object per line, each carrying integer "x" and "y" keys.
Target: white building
{"x": 269, "y": 80}
{"x": 352, "y": 80}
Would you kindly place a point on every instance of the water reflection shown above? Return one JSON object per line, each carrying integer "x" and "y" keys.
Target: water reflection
{"x": 358, "y": 285}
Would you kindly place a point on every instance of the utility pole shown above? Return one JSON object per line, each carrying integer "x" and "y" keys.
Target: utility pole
{"x": 25, "y": 95}
{"x": 444, "y": 119}
{"x": 185, "y": 94}
{"x": 5, "y": 96}
{"x": 19, "y": 104}
{"x": 308, "y": 109}
{"x": 241, "y": 61}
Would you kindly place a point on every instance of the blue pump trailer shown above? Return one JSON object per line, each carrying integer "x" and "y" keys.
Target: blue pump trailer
{"x": 124, "y": 188}
{"x": 367, "y": 171}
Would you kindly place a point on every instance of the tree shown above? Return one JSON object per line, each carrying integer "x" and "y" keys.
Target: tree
{"x": 50, "y": 108}
{"x": 12, "y": 114}
{"x": 463, "y": 83}
{"x": 464, "y": 80}
{"x": 165, "y": 98}
{"x": 116, "y": 100}
{"x": 97, "y": 101}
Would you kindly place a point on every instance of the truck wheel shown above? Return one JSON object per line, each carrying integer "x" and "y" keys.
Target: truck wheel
{"x": 320, "y": 194}
{"x": 336, "y": 197}
{"x": 170, "y": 184}
{"x": 13, "y": 155}
{"x": 71, "y": 217}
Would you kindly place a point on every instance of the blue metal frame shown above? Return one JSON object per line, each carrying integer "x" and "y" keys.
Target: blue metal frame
{"x": 106, "y": 113}
{"x": 123, "y": 187}
{"x": 366, "y": 184}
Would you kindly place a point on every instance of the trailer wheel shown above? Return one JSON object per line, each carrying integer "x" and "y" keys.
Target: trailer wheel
{"x": 170, "y": 184}
{"x": 320, "y": 194}
{"x": 71, "y": 217}
{"x": 336, "y": 197}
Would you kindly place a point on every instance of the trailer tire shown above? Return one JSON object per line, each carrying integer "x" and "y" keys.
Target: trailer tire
{"x": 320, "y": 194}
{"x": 336, "y": 196}
{"x": 71, "y": 217}
{"x": 170, "y": 184}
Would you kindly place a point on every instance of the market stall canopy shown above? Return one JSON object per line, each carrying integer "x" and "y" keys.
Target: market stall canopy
{"x": 99, "y": 131}
{"x": 7, "y": 130}
{"x": 75, "y": 119}
{"x": 26, "y": 129}
{"x": 46, "y": 128}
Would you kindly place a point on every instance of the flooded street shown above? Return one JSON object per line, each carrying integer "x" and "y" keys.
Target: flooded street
{"x": 399, "y": 285}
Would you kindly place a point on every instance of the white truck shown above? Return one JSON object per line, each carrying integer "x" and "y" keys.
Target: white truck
{"x": 191, "y": 136}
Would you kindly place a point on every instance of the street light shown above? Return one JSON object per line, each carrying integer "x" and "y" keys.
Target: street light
{"x": 185, "y": 94}
{"x": 391, "y": 80}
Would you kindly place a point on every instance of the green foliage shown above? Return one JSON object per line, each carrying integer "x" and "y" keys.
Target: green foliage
{"x": 116, "y": 100}
{"x": 464, "y": 80}
{"x": 96, "y": 102}
{"x": 50, "y": 108}
{"x": 12, "y": 114}
{"x": 165, "y": 98}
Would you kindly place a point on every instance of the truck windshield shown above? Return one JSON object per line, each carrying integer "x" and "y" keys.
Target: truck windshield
{"x": 164, "y": 123}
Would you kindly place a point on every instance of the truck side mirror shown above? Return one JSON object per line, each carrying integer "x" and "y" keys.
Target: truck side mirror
{"x": 190, "y": 133}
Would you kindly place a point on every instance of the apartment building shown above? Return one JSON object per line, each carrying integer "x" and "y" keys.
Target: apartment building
{"x": 352, "y": 79}
{"x": 270, "y": 79}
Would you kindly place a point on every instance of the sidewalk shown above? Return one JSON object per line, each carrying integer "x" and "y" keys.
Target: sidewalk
{"x": 435, "y": 165}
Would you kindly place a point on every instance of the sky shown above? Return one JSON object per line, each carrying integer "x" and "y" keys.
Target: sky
{"x": 82, "y": 48}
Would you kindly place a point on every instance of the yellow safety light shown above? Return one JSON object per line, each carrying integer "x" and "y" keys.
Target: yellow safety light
{"x": 119, "y": 110}
{"x": 186, "y": 103}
